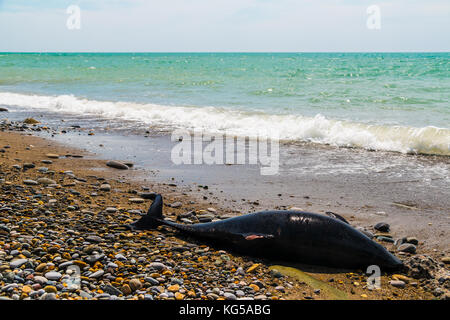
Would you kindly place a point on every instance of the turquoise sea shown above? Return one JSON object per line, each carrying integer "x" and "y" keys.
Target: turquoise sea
{"x": 379, "y": 101}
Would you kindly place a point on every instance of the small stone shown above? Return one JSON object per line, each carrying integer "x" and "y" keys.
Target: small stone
{"x": 276, "y": 274}
{"x": 173, "y": 288}
{"x": 179, "y": 296}
{"x": 157, "y": 265}
{"x": 112, "y": 290}
{"x": 53, "y": 275}
{"x": 253, "y": 268}
{"x": 412, "y": 240}
{"x": 46, "y": 181}
{"x": 254, "y": 287}
{"x": 117, "y": 165}
{"x": 50, "y": 289}
{"x": 52, "y": 155}
{"x": 176, "y": 204}
{"x": 105, "y": 187}
{"x": 17, "y": 263}
{"x": 407, "y": 247}
{"x": 95, "y": 239}
{"x": 135, "y": 284}
{"x": 136, "y": 200}
{"x": 26, "y": 289}
{"x": 401, "y": 277}
{"x": 30, "y": 121}
{"x": 280, "y": 288}
{"x": 40, "y": 280}
{"x": 229, "y": 296}
{"x": 397, "y": 283}
{"x": 30, "y": 182}
{"x": 97, "y": 274}
{"x": 446, "y": 260}
{"x": 385, "y": 239}
{"x": 382, "y": 226}
{"x": 126, "y": 289}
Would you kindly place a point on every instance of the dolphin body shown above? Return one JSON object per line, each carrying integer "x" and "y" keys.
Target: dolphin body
{"x": 296, "y": 236}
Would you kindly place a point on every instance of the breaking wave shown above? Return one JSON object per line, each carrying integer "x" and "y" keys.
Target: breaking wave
{"x": 318, "y": 129}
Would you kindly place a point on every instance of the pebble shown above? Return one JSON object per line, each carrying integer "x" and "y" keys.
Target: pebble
{"x": 105, "y": 187}
{"x": 17, "y": 263}
{"x": 446, "y": 260}
{"x": 126, "y": 290}
{"x": 97, "y": 274}
{"x": 176, "y": 204}
{"x": 30, "y": 182}
{"x": 39, "y": 279}
{"x": 174, "y": 288}
{"x": 53, "y": 275}
{"x": 46, "y": 181}
{"x": 407, "y": 247}
{"x": 382, "y": 227}
{"x": 229, "y": 296}
{"x": 112, "y": 290}
{"x": 117, "y": 165}
{"x": 135, "y": 284}
{"x": 397, "y": 283}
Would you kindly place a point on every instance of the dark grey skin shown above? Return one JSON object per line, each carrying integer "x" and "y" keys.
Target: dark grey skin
{"x": 296, "y": 236}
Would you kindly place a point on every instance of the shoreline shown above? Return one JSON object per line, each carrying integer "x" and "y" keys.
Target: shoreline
{"x": 87, "y": 208}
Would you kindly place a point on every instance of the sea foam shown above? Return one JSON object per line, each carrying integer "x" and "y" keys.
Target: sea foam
{"x": 215, "y": 120}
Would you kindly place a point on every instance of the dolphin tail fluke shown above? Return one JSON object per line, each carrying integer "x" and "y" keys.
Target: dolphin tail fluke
{"x": 153, "y": 217}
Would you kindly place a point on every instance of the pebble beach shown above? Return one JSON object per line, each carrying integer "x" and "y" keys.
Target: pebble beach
{"x": 61, "y": 237}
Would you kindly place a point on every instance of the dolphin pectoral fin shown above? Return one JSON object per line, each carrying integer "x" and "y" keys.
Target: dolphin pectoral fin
{"x": 336, "y": 216}
{"x": 257, "y": 236}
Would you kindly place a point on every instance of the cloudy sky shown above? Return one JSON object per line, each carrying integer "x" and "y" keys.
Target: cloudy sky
{"x": 225, "y": 25}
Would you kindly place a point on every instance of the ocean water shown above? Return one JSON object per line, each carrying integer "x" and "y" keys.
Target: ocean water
{"x": 378, "y": 101}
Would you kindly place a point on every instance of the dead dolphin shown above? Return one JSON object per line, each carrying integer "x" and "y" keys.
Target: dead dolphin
{"x": 296, "y": 236}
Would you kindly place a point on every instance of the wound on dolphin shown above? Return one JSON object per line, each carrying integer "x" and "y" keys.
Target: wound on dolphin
{"x": 284, "y": 235}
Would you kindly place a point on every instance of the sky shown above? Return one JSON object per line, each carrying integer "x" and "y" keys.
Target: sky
{"x": 225, "y": 26}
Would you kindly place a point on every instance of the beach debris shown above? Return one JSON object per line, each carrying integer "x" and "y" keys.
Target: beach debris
{"x": 405, "y": 205}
